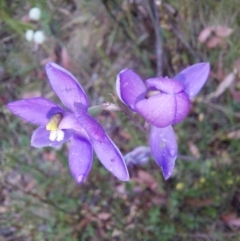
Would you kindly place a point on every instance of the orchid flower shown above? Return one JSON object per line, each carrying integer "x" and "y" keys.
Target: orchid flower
{"x": 58, "y": 125}
{"x": 162, "y": 102}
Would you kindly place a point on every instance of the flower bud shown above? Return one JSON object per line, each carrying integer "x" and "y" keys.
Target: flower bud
{"x": 35, "y": 14}
{"x": 29, "y": 35}
{"x": 39, "y": 37}
{"x": 138, "y": 156}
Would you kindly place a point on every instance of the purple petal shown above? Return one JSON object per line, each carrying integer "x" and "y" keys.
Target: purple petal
{"x": 66, "y": 87}
{"x": 130, "y": 87}
{"x": 166, "y": 85}
{"x": 163, "y": 109}
{"x": 111, "y": 158}
{"x": 193, "y": 78}
{"x": 36, "y": 110}
{"x": 159, "y": 109}
{"x": 80, "y": 158}
{"x": 93, "y": 128}
{"x": 40, "y": 138}
{"x": 106, "y": 151}
{"x": 70, "y": 121}
{"x": 164, "y": 148}
{"x": 182, "y": 107}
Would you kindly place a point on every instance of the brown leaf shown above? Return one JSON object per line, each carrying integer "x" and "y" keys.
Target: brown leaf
{"x": 159, "y": 200}
{"x": 30, "y": 186}
{"x": 224, "y": 85}
{"x": 65, "y": 58}
{"x": 138, "y": 189}
{"x": 236, "y": 95}
{"x": 195, "y": 202}
{"x": 31, "y": 94}
{"x": 64, "y": 11}
{"x": 234, "y": 89}
{"x": 223, "y": 31}
{"x": 121, "y": 189}
{"x": 219, "y": 74}
{"x": 216, "y": 41}
{"x": 3, "y": 209}
{"x": 50, "y": 155}
{"x": 169, "y": 8}
{"x": 235, "y": 222}
{"x": 116, "y": 233}
{"x": 82, "y": 224}
{"x": 146, "y": 179}
{"x": 237, "y": 66}
{"x": 130, "y": 226}
{"x": 125, "y": 135}
{"x": 25, "y": 19}
{"x": 228, "y": 217}
{"x": 194, "y": 150}
{"x": 234, "y": 135}
{"x": 133, "y": 213}
{"x": 205, "y": 34}
{"x": 104, "y": 216}
{"x": 225, "y": 158}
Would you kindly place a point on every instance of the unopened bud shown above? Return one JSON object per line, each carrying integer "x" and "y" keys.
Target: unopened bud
{"x": 35, "y": 14}
{"x": 39, "y": 37}
{"x": 138, "y": 156}
{"x": 29, "y": 35}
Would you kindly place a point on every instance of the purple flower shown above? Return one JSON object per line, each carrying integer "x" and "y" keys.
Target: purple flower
{"x": 162, "y": 102}
{"x": 57, "y": 125}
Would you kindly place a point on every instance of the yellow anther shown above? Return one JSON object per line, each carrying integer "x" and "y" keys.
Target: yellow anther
{"x": 54, "y": 121}
{"x": 202, "y": 180}
{"x": 180, "y": 186}
{"x": 151, "y": 93}
{"x": 229, "y": 182}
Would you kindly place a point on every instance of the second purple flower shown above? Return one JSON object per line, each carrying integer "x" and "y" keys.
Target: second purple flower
{"x": 162, "y": 102}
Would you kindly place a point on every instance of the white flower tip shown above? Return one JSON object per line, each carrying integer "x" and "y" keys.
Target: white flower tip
{"x": 39, "y": 37}
{"x": 53, "y": 135}
{"x": 118, "y": 84}
{"x": 35, "y": 14}
{"x": 29, "y": 35}
{"x": 118, "y": 89}
{"x": 60, "y": 135}
{"x": 56, "y": 135}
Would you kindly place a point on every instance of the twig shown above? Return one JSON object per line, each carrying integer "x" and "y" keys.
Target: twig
{"x": 37, "y": 196}
{"x": 128, "y": 113}
{"x": 220, "y": 108}
{"x": 127, "y": 34}
{"x": 208, "y": 236}
{"x": 185, "y": 43}
{"x": 187, "y": 158}
{"x": 158, "y": 40}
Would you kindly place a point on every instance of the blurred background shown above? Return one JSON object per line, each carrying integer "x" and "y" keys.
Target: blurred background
{"x": 95, "y": 39}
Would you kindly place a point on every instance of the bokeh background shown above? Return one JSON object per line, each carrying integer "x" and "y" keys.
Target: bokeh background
{"x": 95, "y": 39}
